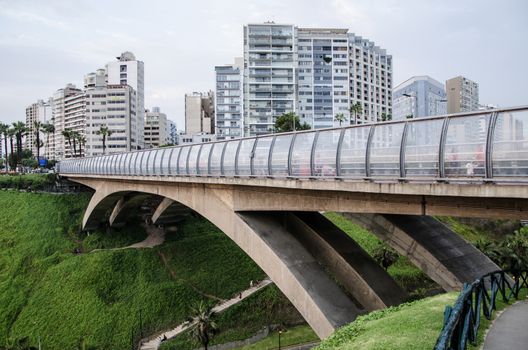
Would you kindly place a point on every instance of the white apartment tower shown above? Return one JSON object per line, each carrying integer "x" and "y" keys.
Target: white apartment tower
{"x": 462, "y": 95}
{"x": 129, "y": 71}
{"x": 316, "y": 73}
{"x": 155, "y": 128}
{"x": 270, "y": 62}
{"x": 41, "y": 112}
{"x": 228, "y": 100}
{"x": 112, "y": 106}
{"x": 61, "y": 110}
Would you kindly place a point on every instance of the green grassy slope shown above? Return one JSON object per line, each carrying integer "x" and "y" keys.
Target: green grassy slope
{"x": 411, "y": 326}
{"x": 48, "y": 290}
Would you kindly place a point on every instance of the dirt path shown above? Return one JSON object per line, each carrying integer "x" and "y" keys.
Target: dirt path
{"x": 155, "y": 342}
{"x": 155, "y": 237}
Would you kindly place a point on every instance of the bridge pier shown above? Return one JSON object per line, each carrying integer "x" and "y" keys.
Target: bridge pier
{"x": 124, "y": 207}
{"x": 349, "y": 264}
{"x": 442, "y": 254}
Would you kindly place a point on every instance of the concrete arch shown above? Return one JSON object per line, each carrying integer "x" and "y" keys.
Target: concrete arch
{"x": 288, "y": 263}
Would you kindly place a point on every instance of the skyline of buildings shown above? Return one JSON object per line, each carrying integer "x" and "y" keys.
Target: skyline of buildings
{"x": 315, "y": 73}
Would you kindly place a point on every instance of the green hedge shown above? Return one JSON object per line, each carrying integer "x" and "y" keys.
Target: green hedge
{"x": 27, "y": 181}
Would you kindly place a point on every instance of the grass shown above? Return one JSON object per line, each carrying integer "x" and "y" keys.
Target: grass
{"x": 405, "y": 273}
{"x": 410, "y": 326}
{"x": 48, "y": 290}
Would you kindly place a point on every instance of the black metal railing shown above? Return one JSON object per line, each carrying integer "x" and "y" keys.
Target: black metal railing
{"x": 462, "y": 321}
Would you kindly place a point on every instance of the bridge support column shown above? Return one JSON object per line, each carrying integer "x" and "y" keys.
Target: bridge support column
{"x": 124, "y": 207}
{"x": 438, "y": 251}
{"x": 165, "y": 203}
{"x": 353, "y": 268}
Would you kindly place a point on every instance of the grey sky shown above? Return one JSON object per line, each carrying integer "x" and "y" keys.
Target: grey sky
{"x": 46, "y": 44}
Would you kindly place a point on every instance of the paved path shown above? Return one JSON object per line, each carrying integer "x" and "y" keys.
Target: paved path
{"x": 510, "y": 329}
{"x": 155, "y": 237}
{"x": 156, "y": 342}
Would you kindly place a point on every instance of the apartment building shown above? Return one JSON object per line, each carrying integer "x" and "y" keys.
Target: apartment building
{"x": 61, "y": 110}
{"x": 172, "y": 132}
{"x": 462, "y": 95}
{"x": 127, "y": 70}
{"x": 39, "y": 111}
{"x": 419, "y": 96}
{"x": 155, "y": 128}
{"x": 199, "y": 113}
{"x": 228, "y": 100}
{"x": 316, "y": 73}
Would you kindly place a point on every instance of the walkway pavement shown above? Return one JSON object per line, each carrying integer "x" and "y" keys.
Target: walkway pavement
{"x": 155, "y": 343}
{"x": 509, "y": 330}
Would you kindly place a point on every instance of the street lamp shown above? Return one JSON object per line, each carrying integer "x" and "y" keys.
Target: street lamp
{"x": 415, "y": 109}
{"x": 280, "y": 332}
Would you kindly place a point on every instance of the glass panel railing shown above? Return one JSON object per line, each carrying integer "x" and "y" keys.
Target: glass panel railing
{"x": 216, "y": 159}
{"x": 279, "y": 155}
{"x": 422, "y": 147}
{"x": 510, "y": 144}
{"x": 165, "y": 161}
{"x": 325, "y": 153}
{"x": 261, "y": 156}
{"x": 353, "y": 151}
{"x": 229, "y": 158}
{"x": 182, "y": 160}
{"x": 245, "y": 153}
{"x": 203, "y": 162}
{"x": 157, "y": 161}
{"x": 385, "y": 150}
{"x": 193, "y": 159}
{"x": 302, "y": 154}
{"x": 173, "y": 161}
{"x": 465, "y": 146}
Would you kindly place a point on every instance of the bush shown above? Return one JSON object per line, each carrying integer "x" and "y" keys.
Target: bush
{"x": 27, "y": 181}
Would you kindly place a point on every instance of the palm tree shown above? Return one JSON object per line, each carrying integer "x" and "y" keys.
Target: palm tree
{"x": 67, "y": 133}
{"x": 340, "y": 117}
{"x": 20, "y": 131}
{"x": 105, "y": 132}
{"x": 75, "y": 137}
{"x": 355, "y": 109}
{"x": 37, "y": 125}
{"x": 11, "y": 134}
{"x": 202, "y": 324}
{"x": 4, "y": 131}
{"x": 48, "y": 129}
{"x": 82, "y": 141}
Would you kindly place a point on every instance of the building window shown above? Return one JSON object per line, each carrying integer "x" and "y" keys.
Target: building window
{"x": 123, "y": 68}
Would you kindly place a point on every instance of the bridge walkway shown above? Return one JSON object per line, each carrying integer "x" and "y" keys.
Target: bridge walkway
{"x": 509, "y": 330}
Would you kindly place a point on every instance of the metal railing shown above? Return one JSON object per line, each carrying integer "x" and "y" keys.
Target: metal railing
{"x": 483, "y": 145}
{"x": 462, "y": 321}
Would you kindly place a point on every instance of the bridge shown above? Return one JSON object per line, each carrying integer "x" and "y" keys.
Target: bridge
{"x": 266, "y": 193}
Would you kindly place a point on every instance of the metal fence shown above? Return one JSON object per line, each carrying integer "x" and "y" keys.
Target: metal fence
{"x": 479, "y": 145}
{"x": 462, "y": 321}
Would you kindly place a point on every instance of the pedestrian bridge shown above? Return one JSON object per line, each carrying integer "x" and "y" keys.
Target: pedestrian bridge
{"x": 266, "y": 194}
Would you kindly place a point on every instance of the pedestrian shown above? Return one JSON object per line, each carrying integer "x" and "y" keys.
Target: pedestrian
{"x": 240, "y": 295}
{"x": 251, "y": 283}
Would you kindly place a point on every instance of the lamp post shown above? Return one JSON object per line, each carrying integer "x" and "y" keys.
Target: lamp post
{"x": 280, "y": 332}
{"x": 415, "y": 109}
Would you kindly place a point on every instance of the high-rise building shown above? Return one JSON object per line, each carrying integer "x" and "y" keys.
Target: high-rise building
{"x": 199, "y": 113}
{"x": 270, "y": 62}
{"x": 462, "y": 95}
{"x": 129, "y": 71}
{"x": 418, "y": 96}
{"x": 316, "y": 73}
{"x": 172, "y": 133}
{"x": 155, "y": 128}
{"x": 37, "y": 112}
{"x": 62, "y": 101}
{"x": 228, "y": 100}
{"x": 111, "y": 106}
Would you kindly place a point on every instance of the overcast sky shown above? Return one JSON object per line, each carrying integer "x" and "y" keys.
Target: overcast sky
{"x": 46, "y": 44}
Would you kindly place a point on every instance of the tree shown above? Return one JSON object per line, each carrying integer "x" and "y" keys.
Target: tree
{"x": 202, "y": 324}
{"x": 12, "y": 160}
{"x": 385, "y": 117}
{"x": 48, "y": 129}
{"x": 287, "y": 121}
{"x": 82, "y": 141}
{"x": 68, "y": 135}
{"x": 355, "y": 109}
{"x": 105, "y": 132}
{"x": 409, "y": 116}
{"x": 340, "y": 117}
{"x": 385, "y": 256}
{"x": 37, "y": 125}
{"x": 4, "y": 131}
{"x": 20, "y": 131}
{"x": 75, "y": 137}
